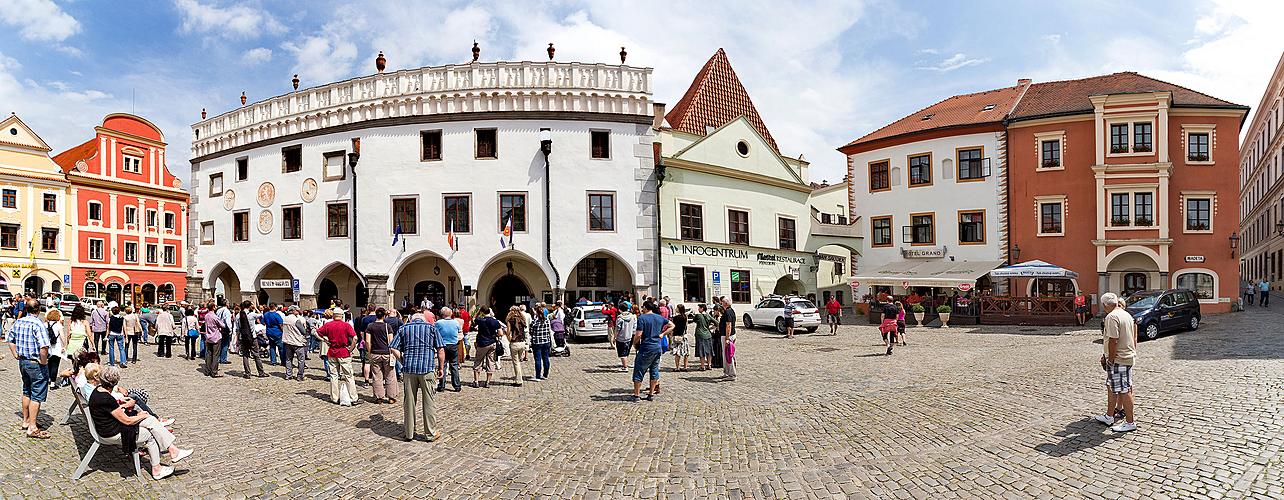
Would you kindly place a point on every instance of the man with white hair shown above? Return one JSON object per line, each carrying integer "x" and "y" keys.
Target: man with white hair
{"x": 1119, "y": 342}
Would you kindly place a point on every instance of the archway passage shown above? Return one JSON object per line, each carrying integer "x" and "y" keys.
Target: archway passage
{"x": 787, "y": 285}
{"x": 338, "y": 283}
{"x": 225, "y": 283}
{"x": 1130, "y": 272}
{"x": 598, "y": 277}
{"x": 509, "y": 290}
{"x": 33, "y": 285}
{"x": 149, "y": 293}
{"x": 327, "y": 293}
{"x": 431, "y": 290}
{"x": 115, "y": 293}
{"x": 273, "y": 285}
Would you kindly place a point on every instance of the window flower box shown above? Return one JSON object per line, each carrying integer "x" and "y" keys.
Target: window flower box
{"x": 1198, "y": 226}
{"x": 1119, "y": 149}
{"x": 1197, "y": 157}
{"x": 1120, "y": 221}
{"x": 1141, "y": 148}
{"x": 1051, "y": 164}
{"x": 1144, "y": 222}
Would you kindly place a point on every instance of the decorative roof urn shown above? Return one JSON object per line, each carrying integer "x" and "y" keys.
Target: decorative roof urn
{"x": 202, "y": 113}
{"x": 551, "y": 50}
{"x": 295, "y": 81}
{"x": 381, "y": 62}
{"x": 623, "y": 55}
{"x": 476, "y": 51}
{"x": 242, "y": 97}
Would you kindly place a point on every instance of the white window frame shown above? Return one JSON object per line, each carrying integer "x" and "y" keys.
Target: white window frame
{"x": 1217, "y": 282}
{"x": 89, "y": 211}
{"x": 1186, "y": 130}
{"x": 1039, "y": 139}
{"x": 207, "y": 232}
{"x": 125, "y": 250}
{"x": 166, "y": 220}
{"x": 136, "y": 161}
{"x": 1132, "y": 190}
{"x": 151, "y": 218}
{"x": 170, "y": 255}
{"x": 213, "y": 193}
{"x": 126, "y": 216}
{"x": 327, "y": 174}
{"x": 102, "y": 247}
{"x": 1039, "y": 201}
{"x": 1211, "y": 196}
{"x": 151, "y": 253}
{"x": 1129, "y": 120}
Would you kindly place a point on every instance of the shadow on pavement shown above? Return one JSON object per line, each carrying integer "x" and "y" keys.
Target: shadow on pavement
{"x": 383, "y": 427}
{"x": 1078, "y": 436}
{"x": 613, "y": 394}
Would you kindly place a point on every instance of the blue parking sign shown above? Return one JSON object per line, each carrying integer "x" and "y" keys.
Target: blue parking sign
{"x": 717, "y": 277}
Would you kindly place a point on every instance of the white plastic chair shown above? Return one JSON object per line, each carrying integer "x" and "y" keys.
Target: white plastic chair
{"x": 98, "y": 441}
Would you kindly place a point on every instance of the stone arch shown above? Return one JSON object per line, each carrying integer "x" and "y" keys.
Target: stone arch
{"x": 1154, "y": 256}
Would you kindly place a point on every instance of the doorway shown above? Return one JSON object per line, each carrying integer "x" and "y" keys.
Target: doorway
{"x": 1133, "y": 283}
{"x": 327, "y": 293}
{"x": 693, "y": 285}
{"x": 33, "y": 286}
{"x": 506, "y": 291}
{"x": 432, "y": 290}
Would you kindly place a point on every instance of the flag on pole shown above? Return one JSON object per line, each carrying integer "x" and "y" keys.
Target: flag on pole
{"x": 451, "y": 241}
{"x": 506, "y": 237}
{"x": 396, "y": 235}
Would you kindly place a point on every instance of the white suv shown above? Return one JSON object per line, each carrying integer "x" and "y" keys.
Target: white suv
{"x": 771, "y": 311}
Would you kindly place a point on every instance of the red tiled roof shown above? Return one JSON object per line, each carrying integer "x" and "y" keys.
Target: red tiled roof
{"x": 67, "y": 159}
{"x": 966, "y": 109}
{"x": 714, "y": 99}
{"x": 1071, "y": 96}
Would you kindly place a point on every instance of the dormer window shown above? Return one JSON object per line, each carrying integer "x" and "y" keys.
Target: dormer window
{"x": 928, "y": 116}
{"x": 987, "y": 107}
{"x": 132, "y": 164}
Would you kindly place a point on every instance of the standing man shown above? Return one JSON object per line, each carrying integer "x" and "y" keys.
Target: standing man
{"x": 341, "y": 338}
{"x": 727, "y": 327}
{"x": 833, "y": 314}
{"x": 1120, "y": 345}
{"x": 214, "y": 333}
{"x": 294, "y": 339}
{"x": 646, "y": 337}
{"x": 1264, "y": 292}
{"x": 421, "y": 351}
{"x": 225, "y": 315}
{"x": 272, "y": 320}
{"x": 29, "y": 344}
{"x": 98, "y": 325}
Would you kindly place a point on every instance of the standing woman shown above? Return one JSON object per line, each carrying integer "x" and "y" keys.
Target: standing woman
{"x": 133, "y": 330}
{"x": 164, "y": 334}
{"x": 192, "y": 331}
{"x": 57, "y": 344}
{"x": 624, "y": 328}
{"x": 516, "y": 334}
{"x": 247, "y": 342}
{"x": 703, "y": 337}
{"x": 718, "y": 351}
{"x": 488, "y": 331}
{"x": 377, "y": 337}
{"x": 77, "y": 338}
{"x": 681, "y": 348}
{"x": 116, "y": 337}
{"x": 541, "y": 341}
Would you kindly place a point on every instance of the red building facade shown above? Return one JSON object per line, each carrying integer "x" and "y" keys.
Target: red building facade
{"x": 131, "y": 214}
{"x": 1129, "y": 181}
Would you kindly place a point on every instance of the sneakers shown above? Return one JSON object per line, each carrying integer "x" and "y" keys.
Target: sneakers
{"x": 167, "y": 422}
{"x": 181, "y": 455}
{"x": 162, "y": 472}
{"x": 1124, "y": 427}
{"x": 1106, "y": 419}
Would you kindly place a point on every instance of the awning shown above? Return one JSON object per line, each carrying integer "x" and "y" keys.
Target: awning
{"x": 935, "y": 273}
{"x": 1033, "y": 269}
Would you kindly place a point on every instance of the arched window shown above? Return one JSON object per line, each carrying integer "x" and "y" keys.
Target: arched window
{"x": 91, "y": 289}
{"x": 1201, "y": 283}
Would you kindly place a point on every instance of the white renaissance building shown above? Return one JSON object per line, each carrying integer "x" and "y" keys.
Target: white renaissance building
{"x": 397, "y": 186}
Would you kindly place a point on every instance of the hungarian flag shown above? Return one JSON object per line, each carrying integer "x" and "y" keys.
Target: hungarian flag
{"x": 506, "y": 238}
{"x": 451, "y": 241}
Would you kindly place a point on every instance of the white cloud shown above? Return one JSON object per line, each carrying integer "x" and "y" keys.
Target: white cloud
{"x": 38, "y": 20}
{"x": 257, "y": 55}
{"x": 956, "y": 61}
{"x": 236, "y": 21}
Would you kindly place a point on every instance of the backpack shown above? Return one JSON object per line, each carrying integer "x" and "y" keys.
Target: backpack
{"x": 53, "y": 337}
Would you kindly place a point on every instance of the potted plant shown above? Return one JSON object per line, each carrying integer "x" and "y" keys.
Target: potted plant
{"x": 1197, "y": 157}
{"x": 944, "y": 312}
{"x": 1119, "y": 148}
{"x": 1144, "y": 222}
{"x": 1051, "y": 163}
{"x": 1119, "y": 221}
{"x": 1141, "y": 148}
{"x": 918, "y": 311}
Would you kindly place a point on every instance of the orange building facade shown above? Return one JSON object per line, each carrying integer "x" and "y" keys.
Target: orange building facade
{"x": 1129, "y": 181}
{"x": 130, "y": 215}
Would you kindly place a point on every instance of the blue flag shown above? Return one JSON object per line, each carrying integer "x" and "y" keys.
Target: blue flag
{"x": 396, "y": 235}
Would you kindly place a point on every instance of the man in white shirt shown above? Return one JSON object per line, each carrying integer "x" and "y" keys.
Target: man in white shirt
{"x": 1119, "y": 343}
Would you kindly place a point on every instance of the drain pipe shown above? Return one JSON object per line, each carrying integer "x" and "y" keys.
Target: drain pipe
{"x": 546, "y": 147}
{"x": 352, "y": 227}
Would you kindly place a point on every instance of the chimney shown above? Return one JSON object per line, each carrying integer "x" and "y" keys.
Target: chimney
{"x": 658, "y": 120}
{"x": 1023, "y": 81}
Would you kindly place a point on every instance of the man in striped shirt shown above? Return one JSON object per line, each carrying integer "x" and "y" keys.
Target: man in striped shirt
{"x": 421, "y": 350}
{"x": 29, "y": 343}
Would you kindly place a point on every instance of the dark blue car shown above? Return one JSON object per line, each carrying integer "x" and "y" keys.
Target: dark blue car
{"x": 1160, "y": 311}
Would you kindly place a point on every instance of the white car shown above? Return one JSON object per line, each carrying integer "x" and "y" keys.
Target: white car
{"x": 771, "y": 312}
{"x": 68, "y": 303}
{"x": 588, "y": 321}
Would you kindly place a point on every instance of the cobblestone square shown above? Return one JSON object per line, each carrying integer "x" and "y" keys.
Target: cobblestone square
{"x": 964, "y": 412}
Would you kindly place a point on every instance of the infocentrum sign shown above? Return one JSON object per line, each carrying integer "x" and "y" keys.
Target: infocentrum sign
{"x": 734, "y": 253}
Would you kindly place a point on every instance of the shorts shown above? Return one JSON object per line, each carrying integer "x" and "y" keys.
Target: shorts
{"x": 622, "y": 348}
{"x": 1081, "y": 310}
{"x": 789, "y": 322}
{"x": 646, "y": 362}
{"x": 835, "y": 319}
{"x": 482, "y": 358}
{"x": 900, "y": 326}
{"x": 1119, "y": 379}
{"x": 35, "y": 379}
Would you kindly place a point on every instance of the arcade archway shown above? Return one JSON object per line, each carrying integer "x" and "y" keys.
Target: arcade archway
{"x": 425, "y": 274}
{"x": 513, "y": 278}
{"x": 225, "y": 283}
{"x": 273, "y": 284}
{"x": 33, "y": 285}
{"x": 787, "y": 285}
{"x": 338, "y": 282}
{"x": 598, "y": 277}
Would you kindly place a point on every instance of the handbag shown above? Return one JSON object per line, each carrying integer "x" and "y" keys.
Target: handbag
{"x": 731, "y": 348}
{"x": 193, "y": 333}
{"x": 499, "y": 349}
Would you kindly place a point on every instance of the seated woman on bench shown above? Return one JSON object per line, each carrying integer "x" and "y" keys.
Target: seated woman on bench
{"x": 115, "y": 417}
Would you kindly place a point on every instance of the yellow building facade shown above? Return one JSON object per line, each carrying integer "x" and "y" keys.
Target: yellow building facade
{"x": 35, "y": 214}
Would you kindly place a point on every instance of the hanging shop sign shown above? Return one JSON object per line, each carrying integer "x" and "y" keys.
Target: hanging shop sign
{"x": 766, "y": 258}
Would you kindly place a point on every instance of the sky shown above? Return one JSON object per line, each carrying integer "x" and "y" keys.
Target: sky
{"x": 821, "y": 73}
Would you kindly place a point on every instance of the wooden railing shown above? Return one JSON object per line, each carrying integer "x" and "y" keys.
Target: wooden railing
{"x": 1003, "y": 310}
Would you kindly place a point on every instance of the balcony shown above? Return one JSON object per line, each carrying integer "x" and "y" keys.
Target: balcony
{"x": 463, "y": 88}
{"x": 836, "y": 226}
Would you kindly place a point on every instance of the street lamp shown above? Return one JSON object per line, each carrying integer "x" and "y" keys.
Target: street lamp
{"x": 1016, "y": 253}
{"x": 1234, "y": 243}
{"x": 1279, "y": 227}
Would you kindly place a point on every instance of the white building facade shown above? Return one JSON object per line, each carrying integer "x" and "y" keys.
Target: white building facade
{"x": 1261, "y": 227}
{"x": 398, "y": 186}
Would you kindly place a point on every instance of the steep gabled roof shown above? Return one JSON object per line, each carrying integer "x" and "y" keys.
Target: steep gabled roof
{"x": 1069, "y": 97}
{"x": 16, "y": 133}
{"x": 991, "y": 106}
{"x": 67, "y": 159}
{"x": 715, "y": 98}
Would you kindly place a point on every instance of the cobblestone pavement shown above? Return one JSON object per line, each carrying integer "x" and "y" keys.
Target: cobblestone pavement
{"x": 964, "y": 412}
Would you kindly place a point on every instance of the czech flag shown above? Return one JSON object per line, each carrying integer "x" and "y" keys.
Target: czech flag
{"x": 451, "y": 241}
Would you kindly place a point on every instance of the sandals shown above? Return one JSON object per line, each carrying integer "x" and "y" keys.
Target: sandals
{"x": 39, "y": 434}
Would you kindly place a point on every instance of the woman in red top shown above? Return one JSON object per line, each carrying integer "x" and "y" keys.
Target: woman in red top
{"x": 1081, "y": 308}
